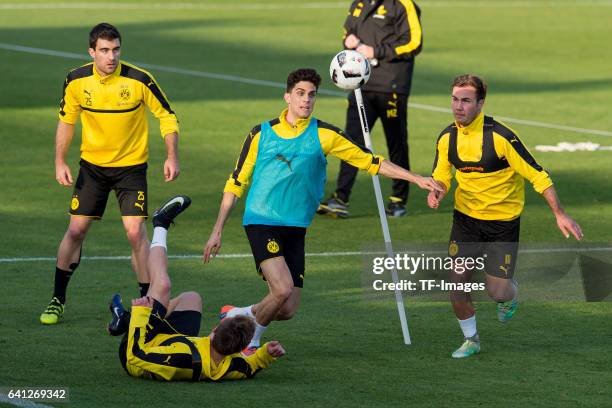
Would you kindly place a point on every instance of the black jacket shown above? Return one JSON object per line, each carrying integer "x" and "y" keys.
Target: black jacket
{"x": 393, "y": 28}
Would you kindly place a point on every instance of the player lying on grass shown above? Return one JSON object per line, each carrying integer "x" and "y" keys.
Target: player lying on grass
{"x": 286, "y": 159}
{"x": 162, "y": 340}
{"x": 491, "y": 164}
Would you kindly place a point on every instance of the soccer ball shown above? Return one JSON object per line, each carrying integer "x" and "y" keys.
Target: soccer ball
{"x": 349, "y": 70}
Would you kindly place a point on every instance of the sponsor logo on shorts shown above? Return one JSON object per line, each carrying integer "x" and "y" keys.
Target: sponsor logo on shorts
{"x": 141, "y": 197}
{"x": 507, "y": 261}
{"x": 503, "y": 269}
{"x": 272, "y": 247}
{"x": 453, "y": 249}
{"x": 74, "y": 204}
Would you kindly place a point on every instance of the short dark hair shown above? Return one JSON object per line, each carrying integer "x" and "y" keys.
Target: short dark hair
{"x": 105, "y": 31}
{"x": 303, "y": 74}
{"x": 474, "y": 81}
{"x": 233, "y": 334}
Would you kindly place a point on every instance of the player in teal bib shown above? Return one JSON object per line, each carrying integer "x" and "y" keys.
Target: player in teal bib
{"x": 288, "y": 179}
{"x": 286, "y": 160}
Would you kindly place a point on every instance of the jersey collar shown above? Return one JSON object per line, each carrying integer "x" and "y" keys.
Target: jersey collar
{"x": 474, "y": 127}
{"x": 108, "y": 77}
{"x": 300, "y": 124}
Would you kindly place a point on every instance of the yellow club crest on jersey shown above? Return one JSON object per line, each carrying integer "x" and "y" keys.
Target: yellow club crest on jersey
{"x": 124, "y": 94}
{"x": 380, "y": 13}
{"x": 453, "y": 249}
{"x": 74, "y": 204}
{"x": 273, "y": 247}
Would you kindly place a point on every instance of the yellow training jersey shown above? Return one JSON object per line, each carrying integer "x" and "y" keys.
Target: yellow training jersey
{"x": 491, "y": 162}
{"x": 112, "y": 110}
{"x": 176, "y": 357}
{"x": 333, "y": 141}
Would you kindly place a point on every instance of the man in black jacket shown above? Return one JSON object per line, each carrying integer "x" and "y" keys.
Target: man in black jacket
{"x": 388, "y": 33}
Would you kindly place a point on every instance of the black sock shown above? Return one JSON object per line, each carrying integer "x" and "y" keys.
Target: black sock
{"x": 144, "y": 288}
{"x": 62, "y": 278}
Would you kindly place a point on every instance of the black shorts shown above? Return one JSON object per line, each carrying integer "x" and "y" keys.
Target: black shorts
{"x": 496, "y": 241}
{"x": 272, "y": 241}
{"x": 185, "y": 322}
{"x": 94, "y": 183}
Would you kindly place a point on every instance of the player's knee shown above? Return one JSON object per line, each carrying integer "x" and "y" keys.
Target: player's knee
{"x": 162, "y": 285}
{"x": 458, "y": 297}
{"x": 498, "y": 294}
{"x": 192, "y": 299}
{"x": 76, "y": 234}
{"x": 282, "y": 293}
{"x": 134, "y": 235}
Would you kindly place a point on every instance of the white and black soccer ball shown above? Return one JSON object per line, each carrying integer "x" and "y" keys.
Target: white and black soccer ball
{"x": 349, "y": 70}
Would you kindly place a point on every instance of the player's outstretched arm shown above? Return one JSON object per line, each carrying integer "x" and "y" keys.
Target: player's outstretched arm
{"x": 565, "y": 223}
{"x": 265, "y": 355}
{"x": 172, "y": 167}
{"x": 391, "y": 170}
{"x": 63, "y": 137}
{"x": 262, "y": 358}
{"x": 212, "y": 247}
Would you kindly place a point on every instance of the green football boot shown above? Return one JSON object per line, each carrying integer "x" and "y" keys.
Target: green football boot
{"x": 468, "y": 348}
{"x": 53, "y": 313}
{"x": 505, "y": 310}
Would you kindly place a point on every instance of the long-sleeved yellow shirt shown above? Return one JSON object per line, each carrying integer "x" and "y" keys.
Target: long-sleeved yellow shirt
{"x": 170, "y": 357}
{"x": 489, "y": 188}
{"x": 333, "y": 141}
{"x": 115, "y": 129}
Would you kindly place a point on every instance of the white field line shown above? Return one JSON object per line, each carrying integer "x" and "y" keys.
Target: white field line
{"x": 173, "y": 6}
{"x": 291, "y": 5}
{"x": 251, "y": 81}
{"x": 308, "y": 255}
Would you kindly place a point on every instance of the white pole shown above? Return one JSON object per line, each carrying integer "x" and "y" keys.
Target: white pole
{"x": 383, "y": 219}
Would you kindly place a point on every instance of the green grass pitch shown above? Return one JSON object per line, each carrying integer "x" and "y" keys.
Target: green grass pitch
{"x": 545, "y": 61}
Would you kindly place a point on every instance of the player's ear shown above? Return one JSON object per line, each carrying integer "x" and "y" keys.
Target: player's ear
{"x": 91, "y": 52}
{"x": 287, "y": 97}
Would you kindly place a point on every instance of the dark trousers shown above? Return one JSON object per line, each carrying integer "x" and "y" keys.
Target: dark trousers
{"x": 392, "y": 109}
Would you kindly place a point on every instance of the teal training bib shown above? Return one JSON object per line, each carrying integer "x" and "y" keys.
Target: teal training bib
{"x": 288, "y": 179}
